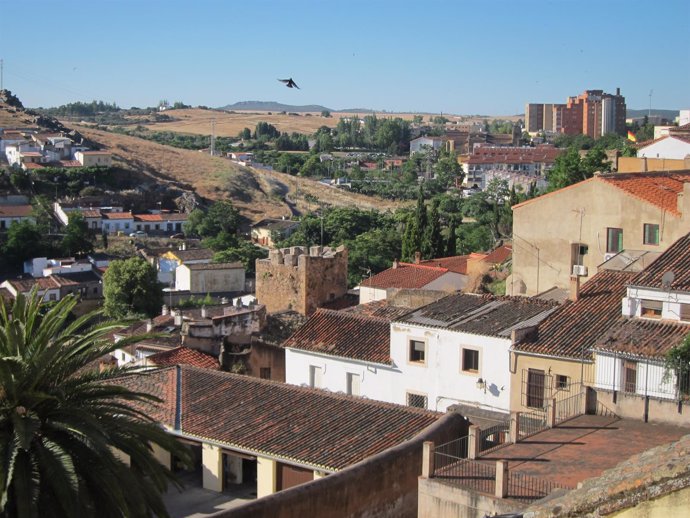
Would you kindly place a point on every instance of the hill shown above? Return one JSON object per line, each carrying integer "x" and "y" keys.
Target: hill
{"x": 271, "y": 106}
{"x": 666, "y": 114}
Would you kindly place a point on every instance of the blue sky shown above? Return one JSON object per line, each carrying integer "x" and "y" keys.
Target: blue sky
{"x": 463, "y": 57}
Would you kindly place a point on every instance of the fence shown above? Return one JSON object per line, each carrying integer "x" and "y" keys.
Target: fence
{"x": 643, "y": 378}
{"x": 469, "y": 474}
{"x": 530, "y": 423}
{"x": 569, "y": 407}
{"x": 494, "y": 437}
{"x": 526, "y": 488}
{"x": 450, "y": 453}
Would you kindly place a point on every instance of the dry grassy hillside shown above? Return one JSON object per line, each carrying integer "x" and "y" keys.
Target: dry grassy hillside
{"x": 257, "y": 193}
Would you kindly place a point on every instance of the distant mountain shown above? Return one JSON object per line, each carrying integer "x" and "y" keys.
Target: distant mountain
{"x": 666, "y": 114}
{"x": 271, "y": 106}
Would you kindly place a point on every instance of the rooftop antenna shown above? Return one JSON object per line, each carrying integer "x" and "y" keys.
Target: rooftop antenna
{"x": 667, "y": 279}
{"x": 649, "y": 115}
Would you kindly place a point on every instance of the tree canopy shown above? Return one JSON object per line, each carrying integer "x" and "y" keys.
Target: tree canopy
{"x": 130, "y": 287}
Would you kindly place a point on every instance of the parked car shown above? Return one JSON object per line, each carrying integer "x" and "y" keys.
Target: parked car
{"x": 179, "y": 235}
{"x": 138, "y": 233}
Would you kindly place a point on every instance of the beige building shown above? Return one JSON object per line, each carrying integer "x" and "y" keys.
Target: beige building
{"x": 94, "y": 158}
{"x": 576, "y": 229}
{"x": 209, "y": 277}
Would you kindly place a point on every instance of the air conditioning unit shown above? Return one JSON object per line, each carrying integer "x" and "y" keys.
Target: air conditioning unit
{"x": 579, "y": 270}
{"x": 609, "y": 256}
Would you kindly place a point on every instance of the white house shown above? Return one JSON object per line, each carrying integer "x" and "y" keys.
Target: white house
{"x": 672, "y": 146}
{"x": 210, "y": 277}
{"x": 455, "y": 350}
{"x": 14, "y": 214}
{"x": 420, "y": 144}
{"x": 114, "y": 222}
{"x": 46, "y": 287}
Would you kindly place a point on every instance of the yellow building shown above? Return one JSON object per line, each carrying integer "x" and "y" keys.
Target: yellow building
{"x": 575, "y": 229}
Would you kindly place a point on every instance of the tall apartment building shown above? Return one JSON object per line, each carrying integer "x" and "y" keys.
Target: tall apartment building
{"x": 594, "y": 113}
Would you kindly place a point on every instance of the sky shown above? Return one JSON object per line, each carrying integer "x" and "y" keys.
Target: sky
{"x": 429, "y": 56}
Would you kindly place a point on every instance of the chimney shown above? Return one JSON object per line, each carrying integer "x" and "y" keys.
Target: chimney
{"x": 164, "y": 310}
{"x": 618, "y": 91}
{"x": 149, "y": 325}
{"x": 417, "y": 257}
{"x": 177, "y": 314}
{"x": 574, "y": 288}
{"x": 395, "y": 263}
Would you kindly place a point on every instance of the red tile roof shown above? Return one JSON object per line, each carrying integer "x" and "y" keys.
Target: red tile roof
{"x": 26, "y": 285}
{"x": 575, "y": 327}
{"x": 298, "y": 424}
{"x": 660, "y": 189}
{"x": 344, "y": 334}
{"x": 513, "y": 155}
{"x": 643, "y": 338}
{"x": 379, "y": 308}
{"x": 406, "y": 275}
{"x": 675, "y": 259}
{"x": 500, "y": 255}
{"x": 457, "y": 263}
{"x": 117, "y": 215}
{"x": 148, "y": 217}
{"x": 184, "y": 356}
{"x": 32, "y": 165}
{"x": 15, "y": 211}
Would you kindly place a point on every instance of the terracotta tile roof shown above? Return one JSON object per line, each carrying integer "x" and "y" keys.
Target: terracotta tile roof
{"x": 406, "y": 275}
{"x": 642, "y": 337}
{"x": 160, "y": 383}
{"x": 344, "y": 334}
{"x": 500, "y": 255}
{"x": 660, "y": 189}
{"x": 184, "y": 356}
{"x": 481, "y": 315}
{"x": 193, "y": 254}
{"x": 576, "y": 326}
{"x": 15, "y": 211}
{"x": 32, "y": 165}
{"x": 89, "y": 213}
{"x": 379, "y": 308}
{"x": 117, "y": 215}
{"x": 513, "y": 155}
{"x": 148, "y": 217}
{"x": 675, "y": 259}
{"x": 308, "y": 426}
{"x": 456, "y": 263}
{"x": 26, "y": 285}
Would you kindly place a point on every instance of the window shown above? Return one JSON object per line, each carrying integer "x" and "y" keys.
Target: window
{"x": 630, "y": 376}
{"x": 353, "y": 382}
{"x": 562, "y": 382}
{"x": 651, "y": 308}
{"x": 470, "y": 360}
{"x": 614, "y": 240}
{"x": 651, "y": 234}
{"x": 315, "y": 376}
{"x": 265, "y": 373}
{"x": 685, "y": 311}
{"x": 535, "y": 388}
{"x": 416, "y": 400}
{"x": 417, "y": 351}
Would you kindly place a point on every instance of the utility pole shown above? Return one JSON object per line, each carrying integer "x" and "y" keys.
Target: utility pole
{"x": 213, "y": 138}
{"x": 2, "y": 87}
{"x": 649, "y": 115}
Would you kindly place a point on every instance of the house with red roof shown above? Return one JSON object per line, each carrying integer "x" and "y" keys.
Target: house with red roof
{"x": 575, "y": 229}
{"x": 673, "y": 146}
{"x": 14, "y": 214}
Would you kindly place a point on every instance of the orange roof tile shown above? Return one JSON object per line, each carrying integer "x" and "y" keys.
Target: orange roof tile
{"x": 457, "y": 263}
{"x": 184, "y": 356}
{"x": 660, "y": 189}
{"x": 406, "y": 275}
{"x": 117, "y": 215}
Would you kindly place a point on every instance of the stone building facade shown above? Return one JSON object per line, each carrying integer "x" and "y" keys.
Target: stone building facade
{"x": 300, "y": 278}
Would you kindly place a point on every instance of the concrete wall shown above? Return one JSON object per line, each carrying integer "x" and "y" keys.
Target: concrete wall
{"x": 384, "y": 485}
{"x": 441, "y": 377}
{"x": 437, "y": 500}
{"x": 368, "y": 294}
{"x": 294, "y": 279}
{"x": 542, "y": 252}
{"x": 658, "y": 410}
{"x": 267, "y": 356}
{"x": 575, "y": 370}
{"x": 643, "y": 164}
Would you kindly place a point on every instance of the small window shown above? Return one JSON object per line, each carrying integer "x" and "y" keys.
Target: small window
{"x": 630, "y": 379}
{"x": 685, "y": 312}
{"x": 417, "y": 351}
{"x": 651, "y": 308}
{"x": 265, "y": 373}
{"x": 353, "y": 384}
{"x": 614, "y": 240}
{"x": 470, "y": 360}
{"x": 562, "y": 382}
{"x": 417, "y": 400}
{"x": 651, "y": 234}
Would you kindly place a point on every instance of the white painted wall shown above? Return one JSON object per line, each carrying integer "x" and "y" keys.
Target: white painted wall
{"x": 650, "y": 379}
{"x": 376, "y": 381}
{"x": 667, "y": 148}
{"x": 671, "y": 302}
{"x": 441, "y": 377}
{"x": 368, "y": 294}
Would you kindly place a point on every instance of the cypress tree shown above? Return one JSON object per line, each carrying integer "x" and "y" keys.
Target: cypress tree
{"x": 452, "y": 241}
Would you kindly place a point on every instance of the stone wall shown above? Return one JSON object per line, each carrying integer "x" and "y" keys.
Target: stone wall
{"x": 268, "y": 357}
{"x": 301, "y": 279}
{"x": 384, "y": 485}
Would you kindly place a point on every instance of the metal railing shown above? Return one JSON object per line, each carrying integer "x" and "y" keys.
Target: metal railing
{"x": 494, "y": 437}
{"x": 469, "y": 474}
{"x": 530, "y": 423}
{"x": 526, "y": 488}
{"x": 450, "y": 453}
{"x": 569, "y": 407}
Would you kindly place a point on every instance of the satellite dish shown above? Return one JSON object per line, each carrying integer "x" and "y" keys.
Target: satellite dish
{"x": 667, "y": 279}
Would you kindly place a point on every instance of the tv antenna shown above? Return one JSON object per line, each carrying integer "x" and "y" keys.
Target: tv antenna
{"x": 667, "y": 279}
{"x": 649, "y": 115}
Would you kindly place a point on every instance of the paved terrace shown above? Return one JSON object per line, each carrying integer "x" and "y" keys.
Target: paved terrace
{"x": 582, "y": 447}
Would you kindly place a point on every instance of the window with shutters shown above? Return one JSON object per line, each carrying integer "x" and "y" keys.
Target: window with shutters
{"x": 417, "y": 353}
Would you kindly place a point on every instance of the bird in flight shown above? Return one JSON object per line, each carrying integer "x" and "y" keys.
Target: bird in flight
{"x": 289, "y": 83}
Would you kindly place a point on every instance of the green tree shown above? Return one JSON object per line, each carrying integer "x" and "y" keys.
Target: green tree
{"x": 421, "y": 221}
{"x": 244, "y": 252}
{"x": 61, "y": 421}
{"x": 567, "y": 170}
{"x": 24, "y": 241}
{"x": 452, "y": 239}
{"x": 312, "y": 167}
{"x": 41, "y": 212}
{"x": 678, "y": 363}
{"x": 325, "y": 113}
{"x": 246, "y": 134}
{"x": 595, "y": 161}
{"x": 447, "y": 169}
{"x": 130, "y": 287}
{"x": 409, "y": 244}
{"x": 371, "y": 252}
{"x": 78, "y": 238}
{"x": 222, "y": 216}
{"x": 432, "y": 243}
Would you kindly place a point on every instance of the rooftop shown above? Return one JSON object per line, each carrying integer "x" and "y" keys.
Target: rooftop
{"x": 117, "y": 215}
{"x": 485, "y": 315}
{"x": 457, "y": 263}
{"x": 15, "y": 211}
{"x": 676, "y": 259}
{"x": 192, "y": 254}
{"x": 298, "y": 424}
{"x": 184, "y": 356}
{"x": 643, "y": 338}
{"x": 405, "y": 275}
{"x": 576, "y": 326}
{"x": 379, "y": 308}
{"x": 344, "y": 334}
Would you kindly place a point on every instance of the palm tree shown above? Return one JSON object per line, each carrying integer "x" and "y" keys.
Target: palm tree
{"x": 62, "y": 422}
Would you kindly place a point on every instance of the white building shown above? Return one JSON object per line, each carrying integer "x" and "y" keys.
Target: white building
{"x": 210, "y": 277}
{"x": 421, "y": 144}
{"x": 672, "y": 146}
{"x": 455, "y": 350}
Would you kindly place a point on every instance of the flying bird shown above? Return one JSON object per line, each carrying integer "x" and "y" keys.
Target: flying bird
{"x": 289, "y": 83}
